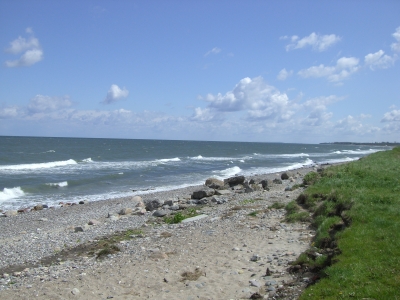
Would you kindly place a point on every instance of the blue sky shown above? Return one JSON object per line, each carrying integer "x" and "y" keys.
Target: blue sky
{"x": 268, "y": 71}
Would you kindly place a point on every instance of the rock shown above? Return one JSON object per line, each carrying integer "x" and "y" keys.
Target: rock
{"x": 169, "y": 202}
{"x": 83, "y": 202}
{"x": 194, "y": 218}
{"x": 284, "y": 176}
{"x": 78, "y": 229}
{"x": 203, "y": 193}
{"x": 11, "y": 213}
{"x": 264, "y": 183}
{"x": 214, "y": 183}
{"x": 153, "y": 204}
{"x": 139, "y": 211}
{"x": 255, "y": 257}
{"x": 75, "y": 291}
{"x": 247, "y": 188}
{"x": 203, "y": 201}
{"x": 232, "y": 181}
{"x": 160, "y": 213}
{"x": 125, "y": 211}
{"x": 255, "y": 283}
{"x": 38, "y": 207}
{"x": 174, "y": 207}
{"x": 114, "y": 218}
{"x": 45, "y": 206}
{"x": 43, "y": 219}
{"x": 288, "y": 189}
{"x": 277, "y": 181}
{"x": 138, "y": 200}
{"x": 222, "y": 192}
{"x": 93, "y": 222}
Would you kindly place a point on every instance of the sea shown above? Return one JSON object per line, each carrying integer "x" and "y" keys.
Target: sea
{"x": 50, "y": 170}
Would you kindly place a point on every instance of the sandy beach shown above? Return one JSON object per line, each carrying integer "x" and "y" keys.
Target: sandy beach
{"x": 238, "y": 250}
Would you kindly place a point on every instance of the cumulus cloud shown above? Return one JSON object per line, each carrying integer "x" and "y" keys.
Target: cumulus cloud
{"x": 30, "y": 47}
{"x": 317, "y": 110}
{"x": 379, "y": 60}
{"x": 391, "y": 116}
{"x": 41, "y": 103}
{"x": 344, "y": 67}
{"x": 316, "y": 41}
{"x": 283, "y": 74}
{"x": 254, "y": 96}
{"x": 396, "y": 46}
{"x": 214, "y": 50}
{"x": 115, "y": 93}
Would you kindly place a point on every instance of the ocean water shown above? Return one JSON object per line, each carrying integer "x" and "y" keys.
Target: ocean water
{"x": 50, "y": 170}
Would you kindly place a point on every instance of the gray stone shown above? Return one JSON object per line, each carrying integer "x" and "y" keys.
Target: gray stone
{"x": 203, "y": 193}
{"x": 214, "y": 183}
{"x": 75, "y": 291}
{"x": 285, "y": 176}
{"x": 125, "y": 211}
{"x": 78, "y": 229}
{"x": 138, "y": 200}
{"x": 174, "y": 207}
{"x": 288, "y": 189}
{"x": 264, "y": 183}
{"x": 160, "y": 213}
{"x": 255, "y": 283}
{"x": 93, "y": 222}
{"x": 194, "y": 218}
{"x": 232, "y": 181}
{"x": 38, "y": 207}
{"x": 255, "y": 257}
{"x": 222, "y": 192}
{"x": 11, "y": 213}
{"x": 153, "y": 204}
{"x": 277, "y": 181}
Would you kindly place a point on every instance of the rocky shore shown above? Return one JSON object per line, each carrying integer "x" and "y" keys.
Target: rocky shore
{"x": 237, "y": 247}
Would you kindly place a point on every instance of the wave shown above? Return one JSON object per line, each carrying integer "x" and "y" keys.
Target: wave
{"x": 230, "y": 171}
{"x": 164, "y": 160}
{"x": 269, "y": 170}
{"x": 88, "y": 160}
{"x": 357, "y": 152}
{"x": 58, "y": 184}
{"x": 212, "y": 158}
{"x": 39, "y": 165}
{"x": 12, "y": 193}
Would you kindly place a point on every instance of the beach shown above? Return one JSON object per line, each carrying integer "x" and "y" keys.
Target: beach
{"x": 241, "y": 248}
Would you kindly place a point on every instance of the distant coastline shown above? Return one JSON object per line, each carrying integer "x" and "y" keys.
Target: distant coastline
{"x": 364, "y": 144}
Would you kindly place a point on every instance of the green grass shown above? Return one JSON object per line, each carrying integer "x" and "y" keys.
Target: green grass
{"x": 179, "y": 217}
{"x": 356, "y": 208}
{"x": 277, "y": 205}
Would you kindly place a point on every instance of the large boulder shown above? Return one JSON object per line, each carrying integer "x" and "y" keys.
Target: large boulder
{"x": 285, "y": 176}
{"x": 138, "y": 201}
{"x": 202, "y": 193}
{"x": 232, "y": 181}
{"x": 214, "y": 183}
{"x": 264, "y": 183}
{"x": 153, "y": 204}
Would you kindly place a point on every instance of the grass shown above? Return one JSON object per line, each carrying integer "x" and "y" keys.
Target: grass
{"x": 277, "y": 205}
{"x": 356, "y": 212}
{"x": 179, "y": 217}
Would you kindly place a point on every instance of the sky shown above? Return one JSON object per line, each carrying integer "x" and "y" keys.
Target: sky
{"x": 263, "y": 71}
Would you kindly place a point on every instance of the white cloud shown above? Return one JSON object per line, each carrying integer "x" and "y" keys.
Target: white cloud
{"x": 283, "y": 74}
{"x": 254, "y": 96}
{"x": 317, "y": 110}
{"x": 31, "y": 48}
{"x": 317, "y": 42}
{"x": 9, "y": 112}
{"x": 115, "y": 93}
{"x": 396, "y": 35}
{"x": 379, "y": 60}
{"x": 214, "y": 50}
{"x": 345, "y": 66}
{"x": 392, "y": 116}
{"x": 41, "y": 103}
{"x": 204, "y": 114}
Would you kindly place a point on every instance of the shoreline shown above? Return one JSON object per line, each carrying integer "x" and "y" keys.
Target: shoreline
{"x": 29, "y": 238}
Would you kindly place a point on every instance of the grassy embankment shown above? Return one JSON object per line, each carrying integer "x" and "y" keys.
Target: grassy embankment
{"x": 356, "y": 211}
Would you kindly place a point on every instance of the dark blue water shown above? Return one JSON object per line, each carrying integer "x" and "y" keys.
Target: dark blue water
{"x": 49, "y": 170}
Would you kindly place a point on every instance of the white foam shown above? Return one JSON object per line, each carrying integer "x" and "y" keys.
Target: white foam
{"x": 88, "y": 160}
{"x": 39, "y": 165}
{"x": 231, "y": 171}
{"x": 59, "y": 184}
{"x": 164, "y": 160}
{"x": 212, "y": 158}
{"x": 12, "y": 193}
